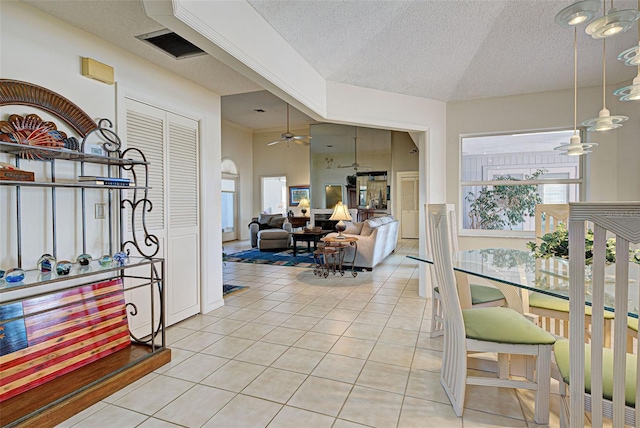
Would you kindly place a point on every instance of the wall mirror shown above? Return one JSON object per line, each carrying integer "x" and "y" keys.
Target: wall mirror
{"x": 355, "y": 157}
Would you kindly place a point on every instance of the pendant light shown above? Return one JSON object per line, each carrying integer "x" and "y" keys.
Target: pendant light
{"x": 604, "y": 121}
{"x": 612, "y": 23}
{"x": 577, "y": 13}
{"x": 631, "y": 57}
{"x": 575, "y": 146}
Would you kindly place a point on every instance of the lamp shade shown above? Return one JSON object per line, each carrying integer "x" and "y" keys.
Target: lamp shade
{"x": 577, "y": 13}
{"x": 616, "y": 21}
{"x": 304, "y": 203}
{"x": 340, "y": 212}
{"x": 631, "y": 92}
{"x": 575, "y": 147}
{"x": 631, "y": 56}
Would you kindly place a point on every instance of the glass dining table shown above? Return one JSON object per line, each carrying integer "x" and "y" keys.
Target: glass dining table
{"x": 513, "y": 271}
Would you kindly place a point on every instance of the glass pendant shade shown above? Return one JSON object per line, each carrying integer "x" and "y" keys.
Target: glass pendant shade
{"x": 604, "y": 121}
{"x": 577, "y": 13}
{"x": 575, "y": 147}
{"x": 631, "y": 56}
{"x": 616, "y": 21}
{"x": 631, "y": 92}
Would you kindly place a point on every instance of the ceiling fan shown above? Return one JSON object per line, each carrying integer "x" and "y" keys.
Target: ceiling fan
{"x": 288, "y": 137}
{"x": 355, "y": 165}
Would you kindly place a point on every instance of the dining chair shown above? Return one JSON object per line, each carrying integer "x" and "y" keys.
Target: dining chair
{"x": 600, "y": 380}
{"x": 553, "y": 312}
{"x": 480, "y": 295}
{"x": 494, "y": 330}
{"x": 632, "y": 334}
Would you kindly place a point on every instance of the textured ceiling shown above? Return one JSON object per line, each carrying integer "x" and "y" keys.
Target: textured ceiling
{"x": 445, "y": 50}
{"x": 120, "y": 21}
{"x": 440, "y": 49}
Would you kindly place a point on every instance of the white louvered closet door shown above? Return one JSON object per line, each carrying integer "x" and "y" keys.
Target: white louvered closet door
{"x": 183, "y": 253}
{"x": 409, "y": 207}
{"x": 170, "y": 144}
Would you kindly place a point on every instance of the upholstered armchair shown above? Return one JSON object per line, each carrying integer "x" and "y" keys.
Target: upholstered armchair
{"x": 267, "y": 221}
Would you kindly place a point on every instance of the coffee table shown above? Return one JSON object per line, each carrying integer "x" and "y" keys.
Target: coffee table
{"x": 307, "y": 237}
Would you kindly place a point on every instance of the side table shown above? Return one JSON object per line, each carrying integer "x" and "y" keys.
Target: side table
{"x": 333, "y": 254}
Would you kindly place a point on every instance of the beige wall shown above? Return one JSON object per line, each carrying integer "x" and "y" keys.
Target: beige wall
{"x": 279, "y": 160}
{"x": 237, "y": 145}
{"x": 628, "y": 162}
{"x": 613, "y": 165}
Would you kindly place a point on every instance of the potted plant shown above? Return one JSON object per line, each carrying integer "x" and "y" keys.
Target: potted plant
{"x": 556, "y": 244}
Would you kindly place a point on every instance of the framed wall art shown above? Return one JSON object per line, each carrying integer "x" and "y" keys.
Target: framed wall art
{"x": 296, "y": 193}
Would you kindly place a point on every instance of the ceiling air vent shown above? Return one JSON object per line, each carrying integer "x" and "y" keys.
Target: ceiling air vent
{"x": 172, "y": 44}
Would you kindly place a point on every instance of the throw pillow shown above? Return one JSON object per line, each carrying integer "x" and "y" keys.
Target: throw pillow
{"x": 386, "y": 219}
{"x": 264, "y": 218}
{"x": 277, "y": 222}
{"x": 353, "y": 228}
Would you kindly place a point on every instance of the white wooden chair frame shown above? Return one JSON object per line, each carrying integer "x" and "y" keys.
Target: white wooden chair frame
{"x": 437, "y": 327}
{"x": 557, "y": 322}
{"x": 622, "y": 220}
{"x": 453, "y": 375}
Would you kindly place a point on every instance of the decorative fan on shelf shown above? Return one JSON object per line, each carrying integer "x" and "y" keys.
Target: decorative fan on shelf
{"x": 289, "y": 137}
{"x": 31, "y": 131}
{"x": 355, "y": 165}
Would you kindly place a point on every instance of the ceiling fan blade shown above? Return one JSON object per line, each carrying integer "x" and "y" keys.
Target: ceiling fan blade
{"x": 301, "y": 137}
{"x": 275, "y": 142}
{"x": 302, "y": 143}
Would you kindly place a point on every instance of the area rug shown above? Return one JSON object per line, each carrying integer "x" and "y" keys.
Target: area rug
{"x": 230, "y": 289}
{"x": 280, "y": 257}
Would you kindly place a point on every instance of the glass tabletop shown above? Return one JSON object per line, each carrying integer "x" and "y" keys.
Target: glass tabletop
{"x": 549, "y": 276}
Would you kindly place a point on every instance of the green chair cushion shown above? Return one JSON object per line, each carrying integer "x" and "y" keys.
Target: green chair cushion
{"x": 544, "y": 301}
{"x": 632, "y": 323}
{"x": 503, "y": 325}
{"x": 482, "y": 294}
{"x": 561, "y": 351}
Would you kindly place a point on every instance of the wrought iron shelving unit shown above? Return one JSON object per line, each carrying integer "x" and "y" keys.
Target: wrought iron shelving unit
{"x": 56, "y": 400}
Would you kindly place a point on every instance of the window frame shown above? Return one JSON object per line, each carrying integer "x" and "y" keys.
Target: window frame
{"x": 581, "y": 181}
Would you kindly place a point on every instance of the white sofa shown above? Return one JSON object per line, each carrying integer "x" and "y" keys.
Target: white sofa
{"x": 377, "y": 238}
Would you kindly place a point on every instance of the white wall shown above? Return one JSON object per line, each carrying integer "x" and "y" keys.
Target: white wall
{"x": 543, "y": 111}
{"x": 237, "y": 145}
{"x": 40, "y": 49}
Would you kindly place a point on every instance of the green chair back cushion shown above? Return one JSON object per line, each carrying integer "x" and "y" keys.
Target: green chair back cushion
{"x": 482, "y": 294}
{"x": 544, "y": 301}
{"x": 503, "y": 325}
{"x": 561, "y": 351}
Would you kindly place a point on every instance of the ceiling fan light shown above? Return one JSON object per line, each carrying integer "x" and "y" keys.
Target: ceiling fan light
{"x": 604, "y": 121}
{"x": 616, "y": 21}
{"x": 631, "y": 56}
{"x": 577, "y": 13}
{"x": 631, "y": 92}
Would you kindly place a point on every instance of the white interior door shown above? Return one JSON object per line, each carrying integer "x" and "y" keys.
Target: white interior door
{"x": 170, "y": 143}
{"x": 409, "y": 215}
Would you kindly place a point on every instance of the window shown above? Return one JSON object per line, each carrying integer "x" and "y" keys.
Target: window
{"x": 274, "y": 195}
{"x": 503, "y": 177}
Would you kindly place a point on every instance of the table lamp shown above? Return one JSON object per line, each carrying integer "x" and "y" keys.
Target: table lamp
{"x": 304, "y": 204}
{"x": 340, "y": 212}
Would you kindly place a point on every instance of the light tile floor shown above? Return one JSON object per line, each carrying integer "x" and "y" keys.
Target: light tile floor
{"x": 297, "y": 350}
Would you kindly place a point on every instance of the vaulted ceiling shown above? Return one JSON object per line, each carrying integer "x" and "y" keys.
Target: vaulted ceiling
{"x": 447, "y": 50}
